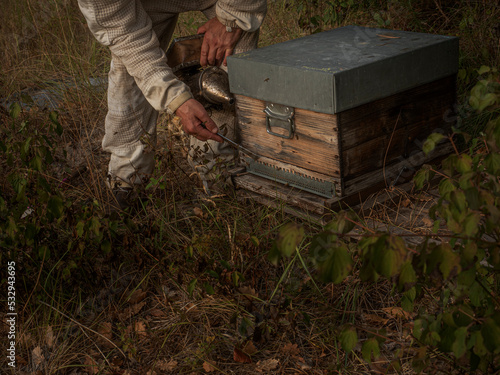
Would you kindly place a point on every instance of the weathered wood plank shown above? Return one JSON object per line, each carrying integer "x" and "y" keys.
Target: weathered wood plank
{"x": 315, "y": 146}
{"x": 363, "y": 129}
{"x": 304, "y": 200}
{"x": 389, "y": 148}
{"x": 297, "y": 170}
{"x": 387, "y": 176}
{"x": 415, "y": 95}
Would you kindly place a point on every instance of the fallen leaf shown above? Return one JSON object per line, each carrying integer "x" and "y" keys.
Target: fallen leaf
{"x": 397, "y": 312}
{"x": 137, "y": 296}
{"x": 163, "y": 365}
{"x": 208, "y": 367}
{"x": 91, "y": 366}
{"x": 427, "y": 222}
{"x": 117, "y": 361}
{"x": 291, "y": 349}
{"x": 240, "y": 357}
{"x": 131, "y": 311}
{"x": 140, "y": 329}
{"x": 199, "y": 212}
{"x": 304, "y": 367}
{"x": 37, "y": 356}
{"x": 372, "y": 318}
{"x": 157, "y": 313}
{"x": 151, "y": 372}
{"x": 248, "y": 291}
{"x": 21, "y": 361}
{"x": 249, "y": 348}
{"x": 49, "y": 337}
{"x": 406, "y": 202}
{"x": 267, "y": 365}
{"x": 105, "y": 329}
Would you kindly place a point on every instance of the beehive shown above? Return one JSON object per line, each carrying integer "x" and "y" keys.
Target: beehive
{"x": 342, "y": 112}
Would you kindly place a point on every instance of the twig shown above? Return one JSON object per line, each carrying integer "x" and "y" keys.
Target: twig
{"x": 82, "y": 326}
{"x": 388, "y": 146}
{"x": 36, "y": 284}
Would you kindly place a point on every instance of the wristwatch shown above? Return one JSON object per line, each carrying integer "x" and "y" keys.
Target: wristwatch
{"x": 229, "y": 29}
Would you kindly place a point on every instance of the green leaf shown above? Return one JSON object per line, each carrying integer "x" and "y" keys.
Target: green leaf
{"x": 492, "y": 163}
{"x": 486, "y": 101}
{"x": 55, "y": 206}
{"x": 208, "y": 288}
{"x": 457, "y": 198}
{"x": 289, "y": 237}
{"x": 431, "y": 142}
{"x": 483, "y": 69}
{"x": 321, "y": 245}
{"x": 491, "y": 335}
{"x": 343, "y": 223}
{"x": 370, "y": 347}
{"x": 407, "y": 277}
{"x": 446, "y": 186}
{"x": 472, "y": 196}
{"x": 37, "y": 163}
{"x": 420, "y": 178}
{"x": 54, "y": 117}
{"x": 450, "y": 261}
{"x": 274, "y": 254}
{"x": 469, "y": 252}
{"x": 479, "y": 347}
{"x": 389, "y": 255}
{"x": 25, "y": 148}
{"x": 459, "y": 345}
{"x": 15, "y": 110}
{"x": 471, "y": 223}
{"x": 418, "y": 328}
{"x": 95, "y": 225}
{"x": 80, "y": 226}
{"x": 368, "y": 273}
{"x": 463, "y": 163}
{"x": 466, "y": 278}
{"x": 191, "y": 287}
{"x": 348, "y": 339}
{"x": 476, "y": 294}
{"x": 406, "y": 304}
{"x": 214, "y": 274}
{"x": 106, "y": 247}
{"x": 337, "y": 266}
{"x": 463, "y": 316}
{"x": 255, "y": 241}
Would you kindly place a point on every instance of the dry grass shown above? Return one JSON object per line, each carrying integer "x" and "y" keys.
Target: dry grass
{"x": 131, "y": 312}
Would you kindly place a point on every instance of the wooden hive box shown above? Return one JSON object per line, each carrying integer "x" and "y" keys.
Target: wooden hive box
{"x": 341, "y": 113}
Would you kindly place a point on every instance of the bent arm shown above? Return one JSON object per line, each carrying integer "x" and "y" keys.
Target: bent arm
{"x": 125, "y": 27}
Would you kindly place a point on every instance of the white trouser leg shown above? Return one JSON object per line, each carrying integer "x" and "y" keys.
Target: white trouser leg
{"x": 130, "y": 125}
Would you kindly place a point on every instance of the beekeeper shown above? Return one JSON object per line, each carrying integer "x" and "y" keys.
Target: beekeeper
{"x": 141, "y": 84}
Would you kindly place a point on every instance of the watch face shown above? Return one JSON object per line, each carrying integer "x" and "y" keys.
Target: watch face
{"x": 229, "y": 29}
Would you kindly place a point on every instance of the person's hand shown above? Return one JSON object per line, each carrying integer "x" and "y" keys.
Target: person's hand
{"x": 217, "y": 42}
{"x": 196, "y": 121}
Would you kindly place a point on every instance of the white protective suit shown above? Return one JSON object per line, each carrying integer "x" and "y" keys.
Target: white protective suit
{"x": 141, "y": 84}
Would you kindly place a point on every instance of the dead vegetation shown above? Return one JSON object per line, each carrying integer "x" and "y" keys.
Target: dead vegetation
{"x": 186, "y": 287}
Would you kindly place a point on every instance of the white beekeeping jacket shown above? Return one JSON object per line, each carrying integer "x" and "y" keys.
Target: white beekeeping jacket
{"x": 126, "y": 28}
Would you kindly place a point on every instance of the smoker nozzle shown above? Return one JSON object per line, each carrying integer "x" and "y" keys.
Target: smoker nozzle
{"x": 214, "y": 86}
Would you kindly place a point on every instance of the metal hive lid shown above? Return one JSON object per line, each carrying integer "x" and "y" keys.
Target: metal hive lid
{"x": 342, "y": 68}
